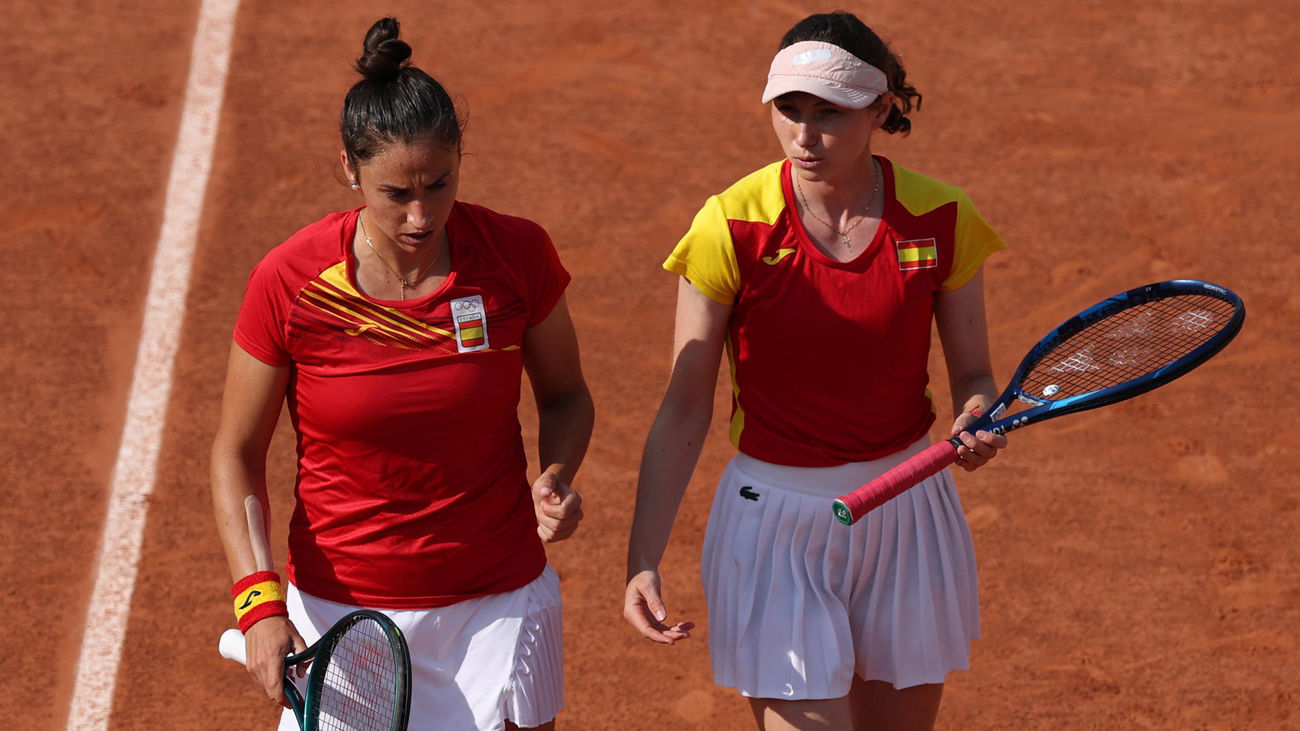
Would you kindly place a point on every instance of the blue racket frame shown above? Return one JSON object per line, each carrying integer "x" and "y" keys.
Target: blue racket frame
{"x": 853, "y": 505}
{"x": 1044, "y": 408}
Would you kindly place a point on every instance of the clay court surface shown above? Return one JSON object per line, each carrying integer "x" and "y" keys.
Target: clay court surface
{"x": 1139, "y": 566}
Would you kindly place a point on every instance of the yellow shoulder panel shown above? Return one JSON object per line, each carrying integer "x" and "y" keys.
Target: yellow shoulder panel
{"x": 756, "y": 197}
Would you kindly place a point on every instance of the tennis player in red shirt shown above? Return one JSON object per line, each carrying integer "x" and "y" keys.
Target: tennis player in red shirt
{"x": 397, "y": 333}
{"x": 821, "y": 275}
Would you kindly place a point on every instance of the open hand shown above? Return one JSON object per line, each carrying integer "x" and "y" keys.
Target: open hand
{"x": 644, "y": 609}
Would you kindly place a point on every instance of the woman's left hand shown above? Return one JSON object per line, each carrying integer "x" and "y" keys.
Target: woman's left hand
{"x": 558, "y": 507}
{"x": 978, "y": 448}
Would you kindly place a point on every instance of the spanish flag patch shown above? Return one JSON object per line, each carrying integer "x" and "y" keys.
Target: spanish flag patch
{"x": 471, "y": 332}
{"x": 917, "y": 254}
{"x": 470, "y": 318}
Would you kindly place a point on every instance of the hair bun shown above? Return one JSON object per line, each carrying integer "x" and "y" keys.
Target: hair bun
{"x": 383, "y": 54}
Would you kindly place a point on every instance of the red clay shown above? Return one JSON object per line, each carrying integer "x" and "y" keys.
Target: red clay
{"x": 1138, "y": 564}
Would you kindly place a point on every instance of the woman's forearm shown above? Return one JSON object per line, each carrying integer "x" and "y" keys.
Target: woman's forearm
{"x": 973, "y": 394}
{"x": 564, "y": 427}
{"x": 671, "y": 451}
{"x": 250, "y": 407}
{"x": 233, "y": 482}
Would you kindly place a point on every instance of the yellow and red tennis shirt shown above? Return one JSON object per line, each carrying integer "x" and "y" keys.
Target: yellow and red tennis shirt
{"x": 411, "y": 489}
{"x": 829, "y": 360}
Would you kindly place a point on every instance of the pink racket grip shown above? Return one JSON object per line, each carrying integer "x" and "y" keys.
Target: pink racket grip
{"x": 849, "y": 508}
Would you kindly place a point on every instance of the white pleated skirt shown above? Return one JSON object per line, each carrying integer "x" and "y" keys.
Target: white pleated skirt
{"x": 799, "y": 603}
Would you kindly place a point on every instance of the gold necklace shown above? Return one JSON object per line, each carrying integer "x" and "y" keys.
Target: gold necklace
{"x": 402, "y": 280}
{"x": 844, "y": 235}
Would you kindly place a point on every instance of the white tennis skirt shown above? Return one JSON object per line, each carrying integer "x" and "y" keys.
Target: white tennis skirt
{"x": 799, "y": 603}
{"x": 474, "y": 664}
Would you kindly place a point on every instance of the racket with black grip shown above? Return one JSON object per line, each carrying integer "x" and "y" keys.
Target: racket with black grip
{"x": 1119, "y": 348}
{"x": 359, "y": 679}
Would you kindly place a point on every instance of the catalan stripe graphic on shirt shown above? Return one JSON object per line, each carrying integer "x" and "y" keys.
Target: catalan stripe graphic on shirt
{"x": 333, "y": 307}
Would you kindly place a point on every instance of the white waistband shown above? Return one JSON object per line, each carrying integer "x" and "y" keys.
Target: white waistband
{"x": 825, "y": 481}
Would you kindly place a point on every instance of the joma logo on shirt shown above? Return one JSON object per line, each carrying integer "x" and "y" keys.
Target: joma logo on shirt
{"x": 355, "y": 331}
{"x": 780, "y": 254}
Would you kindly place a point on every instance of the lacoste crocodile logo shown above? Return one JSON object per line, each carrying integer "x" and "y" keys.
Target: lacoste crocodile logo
{"x": 748, "y": 493}
{"x": 780, "y": 254}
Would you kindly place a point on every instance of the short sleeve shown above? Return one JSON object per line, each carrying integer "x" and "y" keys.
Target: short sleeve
{"x": 973, "y": 242}
{"x": 706, "y": 255}
{"x": 260, "y": 328}
{"x": 546, "y": 276}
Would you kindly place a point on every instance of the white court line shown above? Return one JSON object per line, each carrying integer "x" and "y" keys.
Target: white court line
{"x": 137, "y": 459}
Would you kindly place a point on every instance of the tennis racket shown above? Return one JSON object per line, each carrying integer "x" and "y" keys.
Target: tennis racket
{"x": 1117, "y": 349}
{"x": 360, "y": 676}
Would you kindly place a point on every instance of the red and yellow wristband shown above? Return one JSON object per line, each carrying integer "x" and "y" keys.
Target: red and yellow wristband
{"x": 258, "y": 596}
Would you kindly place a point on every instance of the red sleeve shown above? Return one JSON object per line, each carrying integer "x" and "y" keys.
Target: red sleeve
{"x": 546, "y": 276}
{"x": 260, "y": 328}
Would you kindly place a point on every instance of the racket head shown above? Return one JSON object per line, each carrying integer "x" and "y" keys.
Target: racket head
{"x": 360, "y": 676}
{"x": 1115, "y": 350}
{"x": 1122, "y": 347}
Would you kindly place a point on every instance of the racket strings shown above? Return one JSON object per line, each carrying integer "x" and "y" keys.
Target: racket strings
{"x": 1128, "y": 345}
{"x": 359, "y": 690}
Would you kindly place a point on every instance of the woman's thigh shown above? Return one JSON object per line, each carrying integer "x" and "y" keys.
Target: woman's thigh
{"x": 869, "y": 705}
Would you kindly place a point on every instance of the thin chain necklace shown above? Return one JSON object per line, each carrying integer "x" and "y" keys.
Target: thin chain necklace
{"x": 844, "y": 235}
{"x": 402, "y": 280}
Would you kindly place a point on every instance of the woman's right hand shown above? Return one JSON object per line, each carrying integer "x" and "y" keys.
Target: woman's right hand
{"x": 644, "y": 609}
{"x": 671, "y": 450}
{"x": 266, "y": 644}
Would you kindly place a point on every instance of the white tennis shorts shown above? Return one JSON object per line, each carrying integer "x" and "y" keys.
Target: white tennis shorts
{"x": 799, "y": 603}
{"x": 474, "y": 664}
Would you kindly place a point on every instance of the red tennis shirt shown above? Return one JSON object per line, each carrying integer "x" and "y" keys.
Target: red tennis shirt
{"x": 411, "y": 489}
{"x": 829, "y": 360}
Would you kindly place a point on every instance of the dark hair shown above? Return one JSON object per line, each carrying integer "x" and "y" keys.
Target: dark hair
{"x": 846, "y": 31}
{"x": 395, "y": 102}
